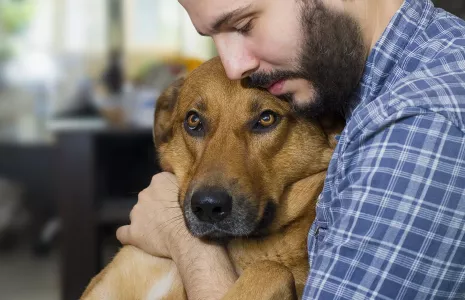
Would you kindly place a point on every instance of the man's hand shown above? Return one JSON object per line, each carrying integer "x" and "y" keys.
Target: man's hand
{"x": 158, "y": 228}
{"x": 157, "y": 223}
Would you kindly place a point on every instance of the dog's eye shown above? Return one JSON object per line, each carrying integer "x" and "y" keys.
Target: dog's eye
{"x": 193, "y": 123}
{"x": 266, "y": 121}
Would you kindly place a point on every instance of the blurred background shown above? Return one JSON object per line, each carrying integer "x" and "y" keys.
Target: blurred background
{"x": 78, "y": 84}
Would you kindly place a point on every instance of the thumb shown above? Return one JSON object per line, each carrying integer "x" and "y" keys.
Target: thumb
{"x": 122, "y": 234}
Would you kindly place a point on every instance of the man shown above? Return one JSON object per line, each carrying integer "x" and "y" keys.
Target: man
{"x": 390, "y": 221}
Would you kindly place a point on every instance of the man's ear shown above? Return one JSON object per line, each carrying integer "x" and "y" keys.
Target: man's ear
{"x": 163, "y": 123}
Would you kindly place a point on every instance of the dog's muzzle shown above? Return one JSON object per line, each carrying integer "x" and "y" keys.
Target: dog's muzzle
{"x": 213, "y": 212}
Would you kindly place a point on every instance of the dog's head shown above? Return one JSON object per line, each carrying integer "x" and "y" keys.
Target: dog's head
{"x": 234, "y": 151}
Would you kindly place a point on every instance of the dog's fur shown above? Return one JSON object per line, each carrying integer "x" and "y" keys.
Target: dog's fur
{"x": 274, "y": 177}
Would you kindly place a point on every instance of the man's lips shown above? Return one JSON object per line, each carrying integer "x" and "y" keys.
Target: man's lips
{"x": 276, "y": 87}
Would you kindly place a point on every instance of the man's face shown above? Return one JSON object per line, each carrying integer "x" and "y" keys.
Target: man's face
{"x": 300, "y": 50}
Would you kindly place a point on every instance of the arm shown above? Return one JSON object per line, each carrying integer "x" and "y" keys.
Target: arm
{"x": 206, "y": 270}
{"x": 157, "y": 227}
{"x": 397, "y": 228}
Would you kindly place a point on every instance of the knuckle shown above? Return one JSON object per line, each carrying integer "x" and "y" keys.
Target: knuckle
{"x": 142, "y": 194}
{"x": 143, "y": 197}
{"x": 136, "y": 208}
{"x": 120, "y": 233}
{"x": 156, "y": 179}
{"x": 162, "y": 178}
{"x": 134, "y": 233}
{"x": 134, "y": 211}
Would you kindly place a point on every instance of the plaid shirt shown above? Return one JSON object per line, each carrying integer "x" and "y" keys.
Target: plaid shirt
{"x": 390, "y": 221}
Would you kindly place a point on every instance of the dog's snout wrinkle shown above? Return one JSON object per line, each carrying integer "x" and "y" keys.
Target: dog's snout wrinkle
{"x": 211, "y": 205}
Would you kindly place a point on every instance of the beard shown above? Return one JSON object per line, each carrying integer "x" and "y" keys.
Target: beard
{"x": 331, "y": 59}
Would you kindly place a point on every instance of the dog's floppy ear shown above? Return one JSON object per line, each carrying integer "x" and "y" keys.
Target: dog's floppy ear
{"x": 163, "y": 125}
{"x": 332, "y": 127}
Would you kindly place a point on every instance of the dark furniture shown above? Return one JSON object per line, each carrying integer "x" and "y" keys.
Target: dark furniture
{"x": 99, "y": 174}
{"x": 30, "y": 165}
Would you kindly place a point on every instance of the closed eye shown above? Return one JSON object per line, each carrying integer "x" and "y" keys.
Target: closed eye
{"x": 245, "y": 29}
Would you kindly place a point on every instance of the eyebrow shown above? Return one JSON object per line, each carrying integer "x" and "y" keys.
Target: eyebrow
{"x": 226, "y": 18}
{"x": 201, "y": 106}
{"x": 255, "y": 106}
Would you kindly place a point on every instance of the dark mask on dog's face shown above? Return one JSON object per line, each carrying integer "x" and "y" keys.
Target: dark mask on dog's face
{"x": 234, "y": 151}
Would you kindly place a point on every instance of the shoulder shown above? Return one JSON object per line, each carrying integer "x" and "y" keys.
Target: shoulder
{"x": 428, "y": 81}
{"x": 437, "y": 86}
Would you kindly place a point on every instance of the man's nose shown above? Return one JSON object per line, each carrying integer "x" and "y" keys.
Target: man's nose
{"x": 238, "y": 61}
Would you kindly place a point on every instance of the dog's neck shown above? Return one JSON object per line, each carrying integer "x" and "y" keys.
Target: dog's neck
{"x": 298, "y": 201}
{"x": 287, "y": 235}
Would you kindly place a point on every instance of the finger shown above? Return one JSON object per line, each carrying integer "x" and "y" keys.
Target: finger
{"x": 163, "y": 178}
{"x": 171, "y": 178}
{"x": 131, "y": 215}
{"x": 122, "y": 234}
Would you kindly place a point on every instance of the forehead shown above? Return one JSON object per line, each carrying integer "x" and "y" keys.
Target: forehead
{"x": 229, "y": 99}
{"x": 213, "y": 5}
{"x": 202, "y": 12}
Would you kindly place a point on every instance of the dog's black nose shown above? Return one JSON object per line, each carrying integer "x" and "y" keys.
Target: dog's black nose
{"x": 211, "y": 204}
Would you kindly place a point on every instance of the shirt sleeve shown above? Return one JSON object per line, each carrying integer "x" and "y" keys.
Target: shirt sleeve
{"x": 399, "y": 230}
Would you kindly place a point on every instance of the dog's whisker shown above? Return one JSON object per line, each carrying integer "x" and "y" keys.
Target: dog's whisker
{"x": 168, "y": 222}
{"x": 172, "y": 182}
{"x": 179, "y": 229}
{"x": 173, "y": 190}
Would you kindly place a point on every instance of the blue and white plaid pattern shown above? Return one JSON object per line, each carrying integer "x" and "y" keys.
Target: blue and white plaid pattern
{"x": 391, "y": 219}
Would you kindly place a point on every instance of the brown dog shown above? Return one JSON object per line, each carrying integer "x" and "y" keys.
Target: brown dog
{"x": 248, "y": 168}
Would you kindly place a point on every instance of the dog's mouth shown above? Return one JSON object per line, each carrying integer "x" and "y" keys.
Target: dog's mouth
{"x": 212, "y": 221}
